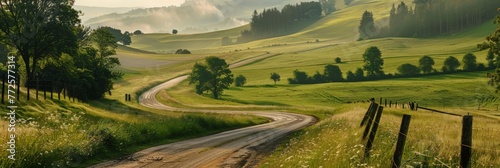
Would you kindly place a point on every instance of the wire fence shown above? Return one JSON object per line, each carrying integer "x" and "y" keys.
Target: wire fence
{"x": 387, "y": 127}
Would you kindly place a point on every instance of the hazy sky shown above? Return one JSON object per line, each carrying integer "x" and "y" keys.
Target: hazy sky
{"x": 128, "y": 3}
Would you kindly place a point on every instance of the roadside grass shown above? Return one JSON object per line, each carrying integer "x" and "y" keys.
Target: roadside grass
{"x": 433, "y": 141}
{"x": 67, "y": 134}
{"x": 52, "y": 133}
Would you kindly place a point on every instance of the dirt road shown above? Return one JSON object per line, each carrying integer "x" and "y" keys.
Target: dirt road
{"x": 235, "y": 148}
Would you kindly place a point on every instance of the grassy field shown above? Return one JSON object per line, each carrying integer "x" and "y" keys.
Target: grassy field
{"x": 433, "y": 140}
{"x": 61, "y": 133}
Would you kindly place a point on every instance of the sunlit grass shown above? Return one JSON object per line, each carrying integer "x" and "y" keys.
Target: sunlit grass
{"x": 433, "y": 140}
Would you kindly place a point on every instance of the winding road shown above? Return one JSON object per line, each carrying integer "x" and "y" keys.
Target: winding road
{"x": 235, "y": 148}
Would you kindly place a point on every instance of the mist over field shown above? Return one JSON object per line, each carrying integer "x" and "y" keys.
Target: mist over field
{"x": 193, "y": 16}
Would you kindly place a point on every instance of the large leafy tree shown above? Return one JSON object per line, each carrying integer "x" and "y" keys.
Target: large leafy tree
{"x": 366, "y": 26}
{"x": 425, "y": 64}
{"x": 214, "y": 76}
{"x": 333, "y": 73}
{"x": 450, "y": 64}
{"x": 492, "y": 44}
{"x": 469, "y": 61}
{"x": 408, "y": 70}
{"x": 373, "y": 62}
{"x": 275, "y": 77}
{"x": 39, "y": 29}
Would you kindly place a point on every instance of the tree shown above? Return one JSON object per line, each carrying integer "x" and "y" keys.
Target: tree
{"x": 119, "y": 37}
{"x": 299, "y": 78}
{"x": 182, "y": 51}
{"x": 138, "y": 32}
{"x": 492, "y": 44}
{"x": 350, "y": 76}
{"x": 469, "y": 61}
{"x": 333, "y": 73}
{"x": 348, "y": 2}
{"x": 373, "y": 62}
{"x": 451, "y": 64}
{"x": 214, "y": 76}
{"x": 338, "y": 60}
{"x": 328, "y": 6}
{"x": 408, "y": 70}
{"x": 39, "y": 29}
{"x": 275, "y": 77}
{"x": 367, "y": 26}
{"x": 425, "y": 64}
{"x": 175, "y": 31}
{"x": 490, "y": 57}
{"x": 360, "y": 74}
{"x": 240, "y": 80}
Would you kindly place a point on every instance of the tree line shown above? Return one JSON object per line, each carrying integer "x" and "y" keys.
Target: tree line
{"x": 432, "y": 17}
{"x": 52, "y": 45}
{"x": 273, "y": 22}
{"x": 373, "y": 68}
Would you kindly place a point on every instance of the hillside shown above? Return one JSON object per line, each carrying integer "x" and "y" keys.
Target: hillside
{"x": 337, "y": 34}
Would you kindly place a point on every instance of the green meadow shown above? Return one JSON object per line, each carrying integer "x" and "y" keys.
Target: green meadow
{"x": 74, "y": 134}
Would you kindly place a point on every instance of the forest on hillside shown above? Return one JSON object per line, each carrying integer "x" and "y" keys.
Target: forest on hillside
{"x": 427, "y": 18}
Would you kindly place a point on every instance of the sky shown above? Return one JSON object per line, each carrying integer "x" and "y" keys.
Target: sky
{"x": 128, "y": 3}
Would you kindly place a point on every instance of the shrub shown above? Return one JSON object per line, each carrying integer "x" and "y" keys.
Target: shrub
{"x": 338, "y": 60}
{"x": 240, "y": 80}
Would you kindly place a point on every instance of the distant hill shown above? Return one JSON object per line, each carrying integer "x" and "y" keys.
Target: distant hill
{"x": 194, "y": 16}
{"x": 92, "y": 12}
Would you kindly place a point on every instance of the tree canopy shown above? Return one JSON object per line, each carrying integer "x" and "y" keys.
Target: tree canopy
{"x": 214, "y": 75}
{"x": 373, "y": 62}
{"x": 469, "y": 61}
{"x": 408, "y": 70}
{"x": 366, "y": 26}
{"x": 275, "y": 77}
{"x": 425, "y": 64}
{"x": 451, "y": 64}
{"x": 39, "y": 29}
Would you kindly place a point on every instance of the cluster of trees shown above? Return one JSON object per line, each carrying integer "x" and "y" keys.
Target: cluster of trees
{"x": 273, "y": 22}
{"x": 332, "y": 73}
{"x": 433, "y": 17}
{"x": 53, "y": 46}
{"x": 182, "y": 51}
{"x": 451, "y": 64}
{"x": 123, "y": 38}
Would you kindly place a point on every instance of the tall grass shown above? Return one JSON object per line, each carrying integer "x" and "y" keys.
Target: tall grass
{"x": 58, "y": 137}
{"x": 433, "y": 141}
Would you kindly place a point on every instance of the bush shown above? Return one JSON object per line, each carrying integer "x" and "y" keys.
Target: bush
{"x": 182, "y": 51}
{"x": 408, "y": 70}
{"x": 338, "y": 60}
{"x": 240, "y": 80}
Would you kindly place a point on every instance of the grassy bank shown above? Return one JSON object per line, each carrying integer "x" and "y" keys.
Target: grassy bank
{"x": 433, "y": 141}
{"x": 64, "y": 134}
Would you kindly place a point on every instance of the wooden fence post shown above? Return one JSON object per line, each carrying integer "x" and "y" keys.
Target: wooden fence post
{"x": 390, "y": 103}
{"x": 365, "y": 118}
{"x": 396, "y": 105}
{"x": 371, "y": 117}
{"x": 373, "y": 131}
{"x": 466, "y": 145}
{"x": 400, "y": 145}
